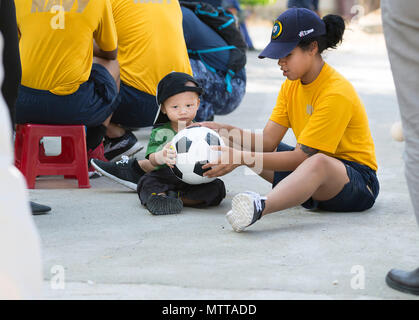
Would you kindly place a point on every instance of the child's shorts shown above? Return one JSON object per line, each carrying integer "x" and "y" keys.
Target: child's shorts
{"x": 90, "y": 105}
{"x": 358, "y": 194}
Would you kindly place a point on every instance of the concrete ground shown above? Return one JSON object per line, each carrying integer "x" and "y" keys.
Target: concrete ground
{"x": 105, "y": 245}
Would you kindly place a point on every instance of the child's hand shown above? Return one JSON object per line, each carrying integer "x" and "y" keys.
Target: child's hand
{"x": 169, "y": 155}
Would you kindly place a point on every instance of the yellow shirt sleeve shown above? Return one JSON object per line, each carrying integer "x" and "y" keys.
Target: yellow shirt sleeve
{"x": 327, "y": 124}
{"x": 105, "y": 34}
{"x": 279, "y": 113}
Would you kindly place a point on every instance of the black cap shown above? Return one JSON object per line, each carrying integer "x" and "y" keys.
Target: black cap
{"x": 172, "y": 84}
{"x": 289, "y": 29}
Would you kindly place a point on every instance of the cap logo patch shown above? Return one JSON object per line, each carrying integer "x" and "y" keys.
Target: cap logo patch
{"x": 277, "y": 29}
{"x": 305, "y": 32}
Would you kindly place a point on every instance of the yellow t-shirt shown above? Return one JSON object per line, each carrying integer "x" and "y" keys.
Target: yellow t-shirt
{"x": 327, "y": 115}
{"x": 150, "y": 41}
{"x": 56, "y": 41}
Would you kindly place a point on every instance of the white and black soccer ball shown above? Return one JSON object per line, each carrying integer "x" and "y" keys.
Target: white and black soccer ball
{"x": 193, "y": 150}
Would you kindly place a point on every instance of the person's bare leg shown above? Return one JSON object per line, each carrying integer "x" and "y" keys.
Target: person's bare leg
{"x": 321, "y": 177}
{"x": 114, "y": 130}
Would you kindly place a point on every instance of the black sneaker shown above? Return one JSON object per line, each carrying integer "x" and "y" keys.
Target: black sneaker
{"x": 246, "y": 209}
{"x": 127, "y": 145}
{"x": 164, "y": 204}
{"x": 121, "y": 171}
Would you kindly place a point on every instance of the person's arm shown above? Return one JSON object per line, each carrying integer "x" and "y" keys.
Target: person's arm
{"x": 11, "y": 55}
{"x": 239, "y": 138}
{"x": 276, "y": 161}
{"x": 108, "y": 55}
{"x": 231, "y": 157}
{"x": 105, "y": 44}
{"x": 273, "y": 132}
{"x": 279, "y": 161}
{"x": 323, "y": 131}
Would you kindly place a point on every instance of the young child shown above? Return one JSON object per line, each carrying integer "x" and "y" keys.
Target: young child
{"x": 159, "y": 190}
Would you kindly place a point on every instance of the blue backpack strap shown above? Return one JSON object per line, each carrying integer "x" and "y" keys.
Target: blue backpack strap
{"x": 232, "y": 20}
{"x": 225, "y": 25}
{"x": 199, "y": 52}
{"x": 230, "y": 74}
{"x": 199, "y": 11}
{"x": 212, "y": 49}
{"x": 225, "y": 12}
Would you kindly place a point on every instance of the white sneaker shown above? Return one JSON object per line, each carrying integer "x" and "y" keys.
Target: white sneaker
{"x": 246, "y": 209}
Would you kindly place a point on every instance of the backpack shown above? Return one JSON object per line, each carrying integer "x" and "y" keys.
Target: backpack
{"x": 224, "y": 24}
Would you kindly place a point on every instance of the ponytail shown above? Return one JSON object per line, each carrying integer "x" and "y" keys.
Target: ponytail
{"x": 335, "y": 27}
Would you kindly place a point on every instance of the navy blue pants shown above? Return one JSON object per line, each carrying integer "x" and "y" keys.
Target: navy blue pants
{"x": 90, "y": 105}
{"x": 354, "y": 196}
{"x": 136, "y": 109}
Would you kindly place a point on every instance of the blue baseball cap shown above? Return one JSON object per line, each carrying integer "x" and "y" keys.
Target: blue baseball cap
{"x": 289, "y": 29}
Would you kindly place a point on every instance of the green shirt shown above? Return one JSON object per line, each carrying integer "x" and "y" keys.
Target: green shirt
{"x": 159, "y": 137}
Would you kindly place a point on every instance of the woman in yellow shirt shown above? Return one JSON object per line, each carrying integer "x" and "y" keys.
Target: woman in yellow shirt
{"x": 333, "y": 165}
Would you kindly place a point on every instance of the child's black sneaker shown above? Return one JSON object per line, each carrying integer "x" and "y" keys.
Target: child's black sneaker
{"x": 122, "y": 171}
{"x": 164, "y": 204}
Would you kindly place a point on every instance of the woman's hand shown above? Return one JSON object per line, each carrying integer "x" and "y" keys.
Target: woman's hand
{"x": 209, "y": 124}
{"x": 228, "y": 160}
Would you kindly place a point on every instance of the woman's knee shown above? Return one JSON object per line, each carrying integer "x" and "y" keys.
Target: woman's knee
{"x": 327, "y": 169}
{"x": 318, "y": 162}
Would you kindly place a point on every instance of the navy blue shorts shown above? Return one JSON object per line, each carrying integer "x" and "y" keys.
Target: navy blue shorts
{"x": 136, "y": 109}
{"x": 90, "y": 105}
{"x": 355, "y": 195}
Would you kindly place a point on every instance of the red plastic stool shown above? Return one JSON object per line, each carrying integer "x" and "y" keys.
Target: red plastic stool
{"x": 30, "y": 156}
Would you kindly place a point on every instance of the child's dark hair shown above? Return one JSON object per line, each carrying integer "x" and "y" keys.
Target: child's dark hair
{"x": 335, "y": 27}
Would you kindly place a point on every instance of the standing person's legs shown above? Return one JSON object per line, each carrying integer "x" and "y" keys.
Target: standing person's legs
{"x": 401, "y": 29}
{"x": 401, "y": 26}
{"x": 20, "y": 248}
{"x": 246, "y": 35}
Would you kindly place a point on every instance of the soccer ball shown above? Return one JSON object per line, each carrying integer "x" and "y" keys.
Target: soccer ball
{"x": 193, "y": 150}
